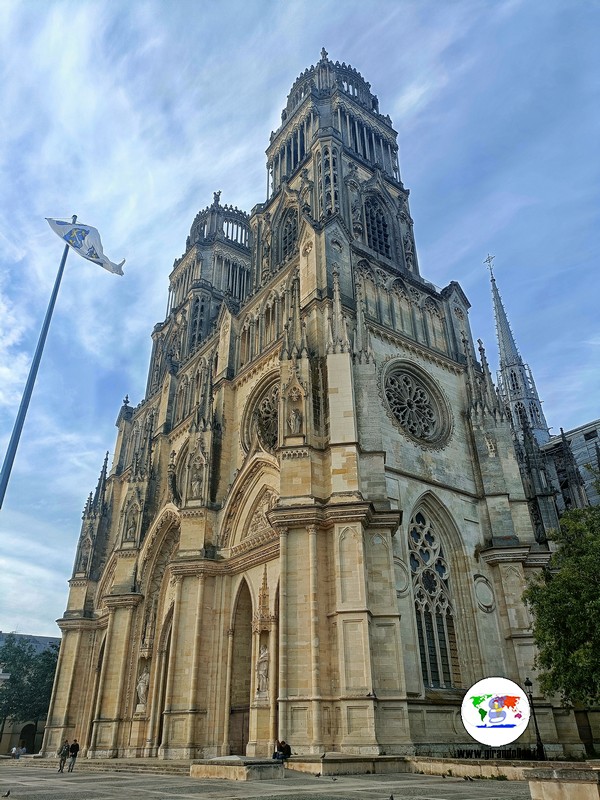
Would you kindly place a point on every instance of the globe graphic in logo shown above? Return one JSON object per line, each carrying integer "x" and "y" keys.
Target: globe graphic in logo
{"x": 495, "y": 711}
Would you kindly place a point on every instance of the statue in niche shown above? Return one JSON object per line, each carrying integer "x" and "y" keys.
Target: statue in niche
{"x": 142, "y": 687}
{"x": 84, "y": 556}
{"x": 408, "y": 250}
{"x": 130, "y": 527}
{"x": 172, "y": 482}
{"x": 404, "y": 213}
{"x": 266, "y": 245}
{"x": 294, "y": 422}
{"x": 196, "y": 478}
{"x": 149, "y": 621}
{"x": 262, "y": 670}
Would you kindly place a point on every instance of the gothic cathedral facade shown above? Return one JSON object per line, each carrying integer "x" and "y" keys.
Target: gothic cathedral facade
{"x": 314, "y": 527}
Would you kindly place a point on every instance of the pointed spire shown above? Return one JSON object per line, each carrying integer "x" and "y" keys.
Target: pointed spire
{"x": 490, "y": 390}
{"x": 361, "y": 344}
{"x": 87, "y": 509}
{"x": 295, "y": 327}
{"x": 339, "y": 332}
{"x": 206, "y": 409}
{"x": 304, "y": 349}
{"x": 98, "y": 501}
{"x": 509, "y": 355}
{"x": 516, "y": 385}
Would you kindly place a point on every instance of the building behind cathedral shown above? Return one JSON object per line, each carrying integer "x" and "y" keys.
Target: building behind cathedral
{"x": 314, "y": 527}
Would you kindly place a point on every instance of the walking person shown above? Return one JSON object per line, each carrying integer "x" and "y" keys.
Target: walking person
{"x": 63, "y": 754}
{"x": 73, "y": 750}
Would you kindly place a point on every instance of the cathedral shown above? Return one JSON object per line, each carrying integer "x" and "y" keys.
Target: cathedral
{"x": 315, "y": 526}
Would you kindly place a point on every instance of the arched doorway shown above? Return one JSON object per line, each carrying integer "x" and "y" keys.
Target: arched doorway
{"x": 241, "y": 672}
{"x": 27, "y": 737}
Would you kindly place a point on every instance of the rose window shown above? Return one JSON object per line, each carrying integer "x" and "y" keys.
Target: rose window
{"x": 266, "y": 416}
{"x": 416, "y": 405}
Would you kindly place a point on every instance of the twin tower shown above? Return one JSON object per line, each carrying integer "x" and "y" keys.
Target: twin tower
{"x": 314, "y": 527}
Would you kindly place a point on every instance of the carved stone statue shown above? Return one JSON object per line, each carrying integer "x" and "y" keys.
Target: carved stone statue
{"x": 196, "y": 478}
{"x": 142, "y": 687}
{"x": 408, "y": 250}
{"x": 84, "y": 557}
{"x": 130, "y": 527}
{"x": 294, "y": 422}
{"x": 262, "y": 670}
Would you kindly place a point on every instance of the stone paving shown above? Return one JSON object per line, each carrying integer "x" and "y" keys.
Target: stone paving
{"x": 31, "y": 783}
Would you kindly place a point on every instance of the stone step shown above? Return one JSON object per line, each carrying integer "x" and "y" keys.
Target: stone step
{"x": 148, "y": 766}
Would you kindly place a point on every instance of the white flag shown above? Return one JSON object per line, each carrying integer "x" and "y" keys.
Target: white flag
{"x": 85, "y": 240}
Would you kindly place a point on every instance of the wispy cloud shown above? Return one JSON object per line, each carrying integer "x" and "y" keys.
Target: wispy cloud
{"x": 131, "y": 115}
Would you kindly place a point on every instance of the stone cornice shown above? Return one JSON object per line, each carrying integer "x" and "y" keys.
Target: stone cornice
{"x": 505, "y": 555}
{"x": 334, "y": 514}
{"x": 415, "y": 348}
{"x": 538, "y": 558}
{"x": 253, "y": 542}
{"x": 76, "y": 624}
{"x": 193, "y": 513}
{"x": 129, "y": 600}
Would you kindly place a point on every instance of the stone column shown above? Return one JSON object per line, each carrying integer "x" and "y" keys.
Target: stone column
{"x": 193, "y": 699}
{"x": 317, "y": 736}
{"x": 101, "y": 680}
{"x": 128, "y": 605}
{"x": 171, "y": 666}
{"x": 283, "y": 532}
{"x": 273, "y": 635}
{"x": 227, "y": 710}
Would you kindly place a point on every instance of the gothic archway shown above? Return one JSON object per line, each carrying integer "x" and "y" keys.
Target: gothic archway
{"x": 241, "y": 672}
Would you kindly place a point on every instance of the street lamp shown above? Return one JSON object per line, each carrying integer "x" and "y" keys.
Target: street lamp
{"x": 539, "y": 747}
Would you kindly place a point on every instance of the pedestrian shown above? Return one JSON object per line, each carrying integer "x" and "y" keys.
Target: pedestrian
{"x": 73, "y": 750}
{"x": 63, "y": 754}
{"x": 283, "y": 751}
{"x": 14, "y": 752}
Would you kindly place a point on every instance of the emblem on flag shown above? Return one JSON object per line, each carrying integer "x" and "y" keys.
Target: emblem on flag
{"x": 85, "y": 240}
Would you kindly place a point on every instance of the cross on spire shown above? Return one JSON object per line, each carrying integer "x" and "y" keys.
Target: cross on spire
{"x": 489, "y": 261}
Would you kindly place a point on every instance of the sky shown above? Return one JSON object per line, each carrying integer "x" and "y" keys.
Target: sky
{"x": 132, "y": 114}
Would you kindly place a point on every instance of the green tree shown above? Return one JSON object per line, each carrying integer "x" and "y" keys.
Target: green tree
{"x": 26, "y": 693}
{"x": 565, "y": 601}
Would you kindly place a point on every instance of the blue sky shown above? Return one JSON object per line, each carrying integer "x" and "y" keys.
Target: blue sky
{"x": 131, "y": 114}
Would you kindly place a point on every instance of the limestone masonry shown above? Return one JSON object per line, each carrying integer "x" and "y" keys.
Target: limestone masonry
{"x": 315, "y": 527}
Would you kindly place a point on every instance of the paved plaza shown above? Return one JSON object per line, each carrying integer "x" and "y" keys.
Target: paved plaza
{"x": 31, "y": 783}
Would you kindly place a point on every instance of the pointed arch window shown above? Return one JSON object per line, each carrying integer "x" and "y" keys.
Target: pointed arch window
{"x": 521, "y": 416}
{"x": 289, "y": 234}
{"x": 433, "y": 604}
{"x": 534, "y": 413}
{"x": 196, "y": 323}
{"x": 378, "y": 237}
{"x": 514, "y": 381}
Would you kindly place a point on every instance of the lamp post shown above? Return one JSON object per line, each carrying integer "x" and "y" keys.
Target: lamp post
{"x": 539, "y": 747}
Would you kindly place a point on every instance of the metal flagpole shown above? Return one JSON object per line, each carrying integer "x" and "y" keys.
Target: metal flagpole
{"x": 18, "y": 426}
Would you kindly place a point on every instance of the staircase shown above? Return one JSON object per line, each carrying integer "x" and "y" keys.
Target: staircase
{"x": 148, "y": 766}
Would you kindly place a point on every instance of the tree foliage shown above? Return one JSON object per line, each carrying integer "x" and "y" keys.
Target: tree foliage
{"x": 565, "y": 601}
{"x": 26, "y": 693}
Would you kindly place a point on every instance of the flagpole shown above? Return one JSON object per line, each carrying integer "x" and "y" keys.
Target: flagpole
{"x": 18, "y": 426}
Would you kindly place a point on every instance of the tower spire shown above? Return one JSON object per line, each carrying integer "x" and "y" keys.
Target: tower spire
{"x": 515, "y": 381}
{"x": 509, "y": 355}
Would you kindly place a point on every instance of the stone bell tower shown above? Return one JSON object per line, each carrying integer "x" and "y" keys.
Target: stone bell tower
{"x": 314, "y": 528}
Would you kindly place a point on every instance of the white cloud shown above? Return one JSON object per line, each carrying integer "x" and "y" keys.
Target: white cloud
{"x": 131, "y": 115}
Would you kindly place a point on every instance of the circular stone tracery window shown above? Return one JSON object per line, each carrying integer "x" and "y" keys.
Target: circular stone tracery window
{"x": 416, "y": 405}
{"x": 266, "y": 418}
